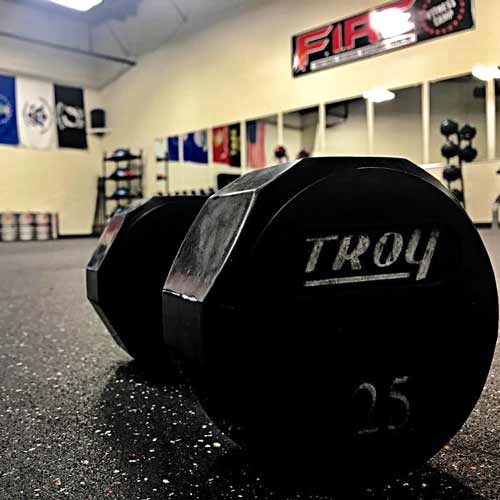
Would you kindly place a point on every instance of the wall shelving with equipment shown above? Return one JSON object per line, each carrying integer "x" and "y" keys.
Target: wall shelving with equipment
{"x": 162, "y": 177}
{"x": 123, "y": 174}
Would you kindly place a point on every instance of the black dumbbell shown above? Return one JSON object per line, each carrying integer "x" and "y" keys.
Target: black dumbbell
{"x": 450, "y": 149}
{"x": 468, "y": 154}
{"x": 459, "y": 194}
{"x": 127, "y": 271}
{"x": 309, "y": 302}
{"x": 467, "y": 133}
{"x": 451, "y": 173}
{"x": 449, "y": 127}
{"x": 314, "y": 314}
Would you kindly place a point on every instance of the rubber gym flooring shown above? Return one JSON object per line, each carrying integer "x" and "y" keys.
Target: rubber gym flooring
{"x": 79, "y": 419}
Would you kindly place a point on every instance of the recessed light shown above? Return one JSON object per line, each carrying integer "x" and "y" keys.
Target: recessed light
{"x": 486, "y": 72}
{"x": 81, "y": 5}
{"x": 379, "y": 95}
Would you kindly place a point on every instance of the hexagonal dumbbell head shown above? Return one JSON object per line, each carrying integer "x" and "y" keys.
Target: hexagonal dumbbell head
{"x": 127, "y": 271}
{"x": 313, "y": 301}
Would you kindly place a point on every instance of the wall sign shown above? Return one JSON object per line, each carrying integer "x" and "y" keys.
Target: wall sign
{"x": 392, "y": 26}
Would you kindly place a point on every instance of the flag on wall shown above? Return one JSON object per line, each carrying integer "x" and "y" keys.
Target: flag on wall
{"x": 234, "y": 145}
{"x": 36, "y": 114}
{"x": 173, "y": 148}
{"x": 220, "y": 144}
{"x": 8, "y": 118}
{"x": 161, "y": 151}
{"x": 195, "y": 147}
{"x": 256, "y": 132}
{"x": 70, "y": 117}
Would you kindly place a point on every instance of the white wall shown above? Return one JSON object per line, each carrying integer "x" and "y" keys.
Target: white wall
{"x": 192, "y": 83}
{"x": 58, "y": 180}
{"x": 229, "y": 71}
{"x": 239, "y": 69}
{"x": 232, "y": 70}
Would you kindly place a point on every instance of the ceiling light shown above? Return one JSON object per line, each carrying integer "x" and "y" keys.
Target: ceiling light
{"x": 379, "y": 95}
{"x": 486, "y": 72}
{"x": 82, "y": 5}
{"x": 391, "y": 22}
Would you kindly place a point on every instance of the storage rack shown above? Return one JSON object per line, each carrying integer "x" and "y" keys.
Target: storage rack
{"x": 162, "y": 177}
{"x": 133, "y": 164}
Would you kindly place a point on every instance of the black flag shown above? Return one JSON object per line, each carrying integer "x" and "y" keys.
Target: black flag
{"x": 234, "y": 145}
{"x": 70, "y": 114}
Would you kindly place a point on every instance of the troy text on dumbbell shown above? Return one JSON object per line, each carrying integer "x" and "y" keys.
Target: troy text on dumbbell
{"x": 384, "y": 252}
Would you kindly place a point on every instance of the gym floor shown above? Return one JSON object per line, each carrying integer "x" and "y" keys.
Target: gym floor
{"x": 80, "y": 420}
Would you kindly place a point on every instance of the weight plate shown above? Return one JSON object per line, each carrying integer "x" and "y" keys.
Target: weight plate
{"x": 126, "y": 273}
{"x": 313, "y": 301}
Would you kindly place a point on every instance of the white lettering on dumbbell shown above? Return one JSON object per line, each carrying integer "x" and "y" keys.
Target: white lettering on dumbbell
{"x": 397, "y": 400}
{"x": 318, "y": 246}
{"x": 344, "y": 255}
{"x": 429, "y": 252}
{"x": 352, "y": 253}
{"x": 395, "y": 252}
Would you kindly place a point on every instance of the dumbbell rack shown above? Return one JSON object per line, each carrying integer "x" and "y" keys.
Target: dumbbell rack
{"x": 134, "y": 164}
{"x": 162, "y": 175}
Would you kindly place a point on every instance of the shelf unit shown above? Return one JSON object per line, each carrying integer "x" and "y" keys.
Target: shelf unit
{"x": 131, "y": 167}
{"x": 162, "y": 177}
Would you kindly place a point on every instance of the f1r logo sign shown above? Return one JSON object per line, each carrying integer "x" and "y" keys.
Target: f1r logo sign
{"x": 392, "y": 26}
{"x": 360, "y": 258}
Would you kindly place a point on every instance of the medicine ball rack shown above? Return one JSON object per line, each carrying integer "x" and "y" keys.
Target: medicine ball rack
{"x": 162, "y": 177}
{"x": 126, "y": 178}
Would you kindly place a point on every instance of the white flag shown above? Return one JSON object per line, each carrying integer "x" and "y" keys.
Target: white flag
{"x": 36, "y": 114}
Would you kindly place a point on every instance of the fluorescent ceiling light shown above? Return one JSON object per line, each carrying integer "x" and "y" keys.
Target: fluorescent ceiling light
{"x": 82, "y": 5}
{"x": 391, "y": 22}
{"x": 486, "y": 72}
{"x": 379, "y": 95}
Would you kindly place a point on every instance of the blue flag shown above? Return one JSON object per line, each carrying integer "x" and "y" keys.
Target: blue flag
{"x": 8, "y": 117}
{"x": 195, "y": 147}
{"x": 173, "y": 148}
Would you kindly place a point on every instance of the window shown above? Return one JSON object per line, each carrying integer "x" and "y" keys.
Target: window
{"x": 461, "y": 99}
{"x": 262, "y": 139}
{"x": 346, "y": 128}
{"x": 398, "y": 125}
{"x": 300, "y": 132}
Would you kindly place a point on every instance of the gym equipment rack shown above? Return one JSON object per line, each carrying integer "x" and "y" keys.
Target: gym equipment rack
{"x": 132, "y": 163}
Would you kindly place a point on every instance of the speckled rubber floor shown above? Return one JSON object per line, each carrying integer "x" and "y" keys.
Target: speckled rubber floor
{"x": 79, "y": 419}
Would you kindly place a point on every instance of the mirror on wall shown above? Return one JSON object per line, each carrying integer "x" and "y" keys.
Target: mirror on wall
{"x": 398, "y": 125}
{"x": 497, "y": 118}
{"x": 300, "y": 132}
{"x": 463, "y": 100}
{"x": 262, "y": 139}
{"x": 346, "y": 128}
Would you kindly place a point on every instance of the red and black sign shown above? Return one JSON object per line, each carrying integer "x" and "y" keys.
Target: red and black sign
{"x": 392, "y": 26}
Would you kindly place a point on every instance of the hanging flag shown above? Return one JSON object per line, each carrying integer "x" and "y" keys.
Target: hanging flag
{"x": 173, "y": 148}
{"x": 36, "y": 114}
{"x": 161, "y": 149}
{"x": 195, "y": 147}
{"x": 234, "y": 145}
{"x": 256, "y": 132}
{"x": 70, "y": 117}
{"x": 8, "y": 118}
{"x": 220, "y": 144}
